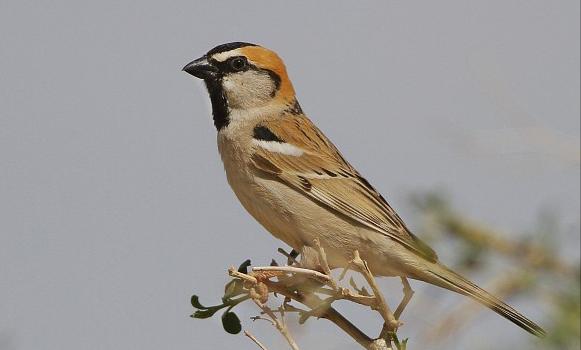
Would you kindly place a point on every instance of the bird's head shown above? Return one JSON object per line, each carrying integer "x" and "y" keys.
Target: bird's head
{"x": 241, "y": 77}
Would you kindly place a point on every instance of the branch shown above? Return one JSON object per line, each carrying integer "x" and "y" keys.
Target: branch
{"x": 303, "y": 285}
{"x": 253, "y": 338}
{"x": 279, "y": 324}
{"x": 296, "y": 270}
{"x": 531, "y": 255}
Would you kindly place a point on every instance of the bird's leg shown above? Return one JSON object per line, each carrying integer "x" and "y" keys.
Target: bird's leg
{"x": 407, "y": 296}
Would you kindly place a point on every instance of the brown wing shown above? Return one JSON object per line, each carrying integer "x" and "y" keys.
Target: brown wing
{"x": 322, "y": 174}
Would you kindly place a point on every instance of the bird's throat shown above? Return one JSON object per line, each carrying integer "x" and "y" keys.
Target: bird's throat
{"x": 219, "y": 103}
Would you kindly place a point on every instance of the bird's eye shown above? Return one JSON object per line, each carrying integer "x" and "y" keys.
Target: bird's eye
{"x": 238, "y": 63}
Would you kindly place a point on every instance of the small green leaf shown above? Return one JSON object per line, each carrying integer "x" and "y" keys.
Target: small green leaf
{"x": 205, "y": 313}
{"x": 231, "y": 323}
{"x": 196, "y": 302}
{"x": 244, "y": 266}
{"x": 399, "y": 345}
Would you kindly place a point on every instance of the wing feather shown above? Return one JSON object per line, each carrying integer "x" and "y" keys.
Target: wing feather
{"x": 322, "y": 174}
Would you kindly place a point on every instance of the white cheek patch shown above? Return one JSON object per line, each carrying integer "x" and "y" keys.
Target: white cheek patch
{"x": 228, "y": 84}
{"x": 247, "y": 89}
{"x": 279, "y": 147}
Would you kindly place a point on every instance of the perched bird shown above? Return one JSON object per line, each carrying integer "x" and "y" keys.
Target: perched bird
{"x": 293, "y": 180}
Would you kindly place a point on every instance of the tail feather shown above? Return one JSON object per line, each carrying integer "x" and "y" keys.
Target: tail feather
{"x": 448, "y": 279}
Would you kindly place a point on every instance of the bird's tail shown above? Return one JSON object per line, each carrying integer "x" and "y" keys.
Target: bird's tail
{"x": 448, "y": 279}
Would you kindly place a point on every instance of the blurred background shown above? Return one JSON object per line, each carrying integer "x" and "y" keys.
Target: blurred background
{"x": 114, "y": 208}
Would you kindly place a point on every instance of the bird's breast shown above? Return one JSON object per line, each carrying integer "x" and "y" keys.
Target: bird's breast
{"x": 296, "y": 219}
{"x": 263, "y": 198}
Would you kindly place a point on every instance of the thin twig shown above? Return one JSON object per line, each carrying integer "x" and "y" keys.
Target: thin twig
{"x": 408, "y": 293}
{"x": 312, "y": 301}
{"x": 256, "y": 318}
{"x": 305, "y": 294}
{"x": 531, "y": 255}
{"x": 278, "y": 325}
{"x": 344, "y": 272}
{"x": 291, "y": 269}
{"x": 253, "y": 338}
{"x": 346, "y": 294}
{"x": 324, "y": 263}
{"x": 391, "y": 322}
{"x": 237, "y": 274}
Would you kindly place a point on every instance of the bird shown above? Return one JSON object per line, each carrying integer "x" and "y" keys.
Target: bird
{"x": 291, "y": 178}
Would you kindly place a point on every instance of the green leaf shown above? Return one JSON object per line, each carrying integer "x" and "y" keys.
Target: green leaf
{"x": 196, "y": 303}
{"x": 231, "y": 323}
{"x": 399, "y": 345}
{"x": 205, "y": 313}
{"x": 244, "y": 266}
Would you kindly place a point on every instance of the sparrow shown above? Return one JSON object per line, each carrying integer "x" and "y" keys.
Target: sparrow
{"x": 291, "y": 178}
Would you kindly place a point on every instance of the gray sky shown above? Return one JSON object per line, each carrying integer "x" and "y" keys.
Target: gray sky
{"x": 114, "y": 207}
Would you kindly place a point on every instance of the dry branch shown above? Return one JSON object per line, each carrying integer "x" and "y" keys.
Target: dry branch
{"x": 253, "y": 338}
{"x": 306, "y": 286}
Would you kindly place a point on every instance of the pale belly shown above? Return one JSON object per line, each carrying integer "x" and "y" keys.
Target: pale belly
{"x": 297, "y": 220}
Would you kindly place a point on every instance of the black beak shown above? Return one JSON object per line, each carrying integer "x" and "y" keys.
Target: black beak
{"x": 201, "y": 68}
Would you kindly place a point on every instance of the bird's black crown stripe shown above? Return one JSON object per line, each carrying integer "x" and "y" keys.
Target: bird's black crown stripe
{"x": 263, "y": 133}
{"x": 228, "y": 47}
